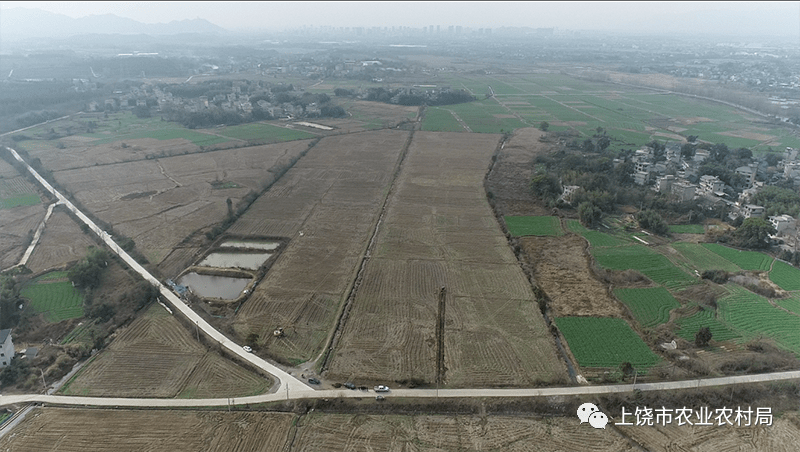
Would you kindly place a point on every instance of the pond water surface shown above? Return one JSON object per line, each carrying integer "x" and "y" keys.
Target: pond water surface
{"x": 224, "y": 287}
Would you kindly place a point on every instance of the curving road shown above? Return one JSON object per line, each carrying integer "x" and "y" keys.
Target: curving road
{"x": 408, "y": 393}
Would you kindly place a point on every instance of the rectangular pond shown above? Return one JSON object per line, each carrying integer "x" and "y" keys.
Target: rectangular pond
{"x": 250, "y": 244}
{"x": 249, "y": 261}
{"x": 224, "y": 287}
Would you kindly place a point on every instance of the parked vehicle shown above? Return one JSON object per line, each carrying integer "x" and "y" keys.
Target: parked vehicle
{"x": 349, "y": 385}
{"x": 381, "y": 388}
{"x": 313, "y": 381}
{"x": 247, "y": 349}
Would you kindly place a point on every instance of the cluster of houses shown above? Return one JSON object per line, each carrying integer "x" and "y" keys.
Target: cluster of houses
{"x": 236, "y": 101}
{"x": 673, "y": 175}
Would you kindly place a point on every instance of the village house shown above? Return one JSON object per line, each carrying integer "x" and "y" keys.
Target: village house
{"x": 752, "y": 211}
{"x": 6, "y": 348}
{"x": 782, "y": 223}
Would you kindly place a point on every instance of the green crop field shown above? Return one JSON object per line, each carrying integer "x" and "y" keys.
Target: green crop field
{"x": 520, "y": 226}
{"x": 687, "y": 229}
{"x": 54, "y": 296}
{"x": 701, "y": 258}
{"x": 648, "y": 262}
{"x": 29, "y": 199}
{"x": 595, "y": 238}
{"x": 605, "y": 342}
{"x": 81, "y": 333}
{"x": 650, "y": 306}
{"x": 171, "y": 132}
{"x": 440, "y": 120}
{"x": 746, "y": 260}
{"x": 753, "y": 316}
{"x": 785, "y": 276}
{"x": 689, "y": 326}
{"x": 792, "y": 303}
{"x": 625, "y": 112}
{"x": 261, "y": 133}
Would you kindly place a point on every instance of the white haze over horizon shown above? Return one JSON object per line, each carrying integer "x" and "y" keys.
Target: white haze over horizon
{"x": 773, "y": 18}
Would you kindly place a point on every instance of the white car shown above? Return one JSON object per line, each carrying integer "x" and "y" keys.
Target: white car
{"x": 247, "y": 349}
{"x": 381, "y": 388}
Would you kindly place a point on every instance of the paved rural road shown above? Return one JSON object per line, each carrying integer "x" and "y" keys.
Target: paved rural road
{"x": 286, "y": 381}
{"x": 413, "y": 393}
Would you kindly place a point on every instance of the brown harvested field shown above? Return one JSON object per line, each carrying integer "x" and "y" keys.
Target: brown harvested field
{"x": 96, "y": 430}
{"x": 62, "y": 242}
{"x": 347, "y": 432}
{"x": 333, "y": 197}
{"x": 160, "y": 202}
{"x": 79, "y": 153}
{"x": 561, "y": 269}
{"x": 782, "y": 436}
{"x": 156, "y": 356}
{"x": 439, "y": 231}
{"x": 15, "y": 223}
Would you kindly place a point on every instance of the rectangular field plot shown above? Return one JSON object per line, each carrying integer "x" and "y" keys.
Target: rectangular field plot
{"x": 785, "y": 276}
{"x": 100, "y": 430}
{"x": 650, "y": 306}
{"x": 440, "y": 120}
{"x": 595, "y": 238}
{"x": 604, "y": 342}
{"x": 651, "y": 264}
{"x": 54, "y": 295}
{"x": 746, "y": 260}
{"x": 327, "y": 205}
{"x": 261, "y": 133}
{"x": 701, "y": 258}
{"x": 520, "y": 226}
{"x": 19, "y": 200}
{"x": 438, "y": 231}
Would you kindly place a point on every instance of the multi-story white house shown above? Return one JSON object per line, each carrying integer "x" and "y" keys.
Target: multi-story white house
{"x": 6, "y": 348}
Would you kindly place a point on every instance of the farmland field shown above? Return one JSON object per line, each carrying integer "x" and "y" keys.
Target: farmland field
{"x": 54, "y": 295}
{"x": 99, "y": 430}
{"x": 637, "y": 257}
{"x": 439, "y": 231}
{"x": 746, "y": 260}
{"x": 62, "y": 242}
{"x": 700, "y": 257}
{"x": 604, "y": 342}
{"x": 156, "y": 356}
{"x": 650, "y": 306}
{"x": 687, "y": 229}
{"x": 348, "y": 432}
{"x": 326, "y": 205}
{"x": 144, "y": 199}
{"x": 440, "y": 120}
{"x": 261, "y": 132}
{"x": 561, "y": 269}
{"x": 520, "y": 226}
{"x": 595, "y": 238}
{"x": 785, "y": 276}
{"x": 705, "y": 317}
{"x": 752, "y": 315}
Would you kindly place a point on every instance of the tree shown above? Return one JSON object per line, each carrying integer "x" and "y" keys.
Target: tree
{"x": 753, "y": 233}
{"x": 543, "y": 126}
{"x": 703, "y": 337}
{"x": 651, "y": 220}
{"x": 589, "y": 214}
{"x": 545, "y": 186}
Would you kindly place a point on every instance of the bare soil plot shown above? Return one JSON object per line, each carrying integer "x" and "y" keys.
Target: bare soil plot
{"x": 347, "y": 432}
{"x": 61, "y": 243}
{"x": 155, "y": 356}
{"x": 439, "y": 231}
{"x": 98, "y": 430}
{"x": 160, "y": 202}
{"x": 327, "y": 205}
{"x": 561, "y": 268}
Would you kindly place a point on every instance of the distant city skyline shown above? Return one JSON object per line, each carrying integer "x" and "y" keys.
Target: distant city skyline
{"x": 779, "y": 18}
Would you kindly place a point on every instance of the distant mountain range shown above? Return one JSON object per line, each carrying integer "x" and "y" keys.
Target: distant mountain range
{"x": 22, "y": 23}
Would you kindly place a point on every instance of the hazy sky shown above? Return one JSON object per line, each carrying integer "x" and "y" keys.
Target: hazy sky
{"x": 279, "y": 15}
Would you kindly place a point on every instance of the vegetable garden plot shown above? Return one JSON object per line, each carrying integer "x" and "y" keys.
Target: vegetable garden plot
{"x": 604, "y": 342}
{"x": 746, "y": 260}
{"x": 650, "y": 306}
{"x": 651, "y": 264}
{"x": 520, "y": 226}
